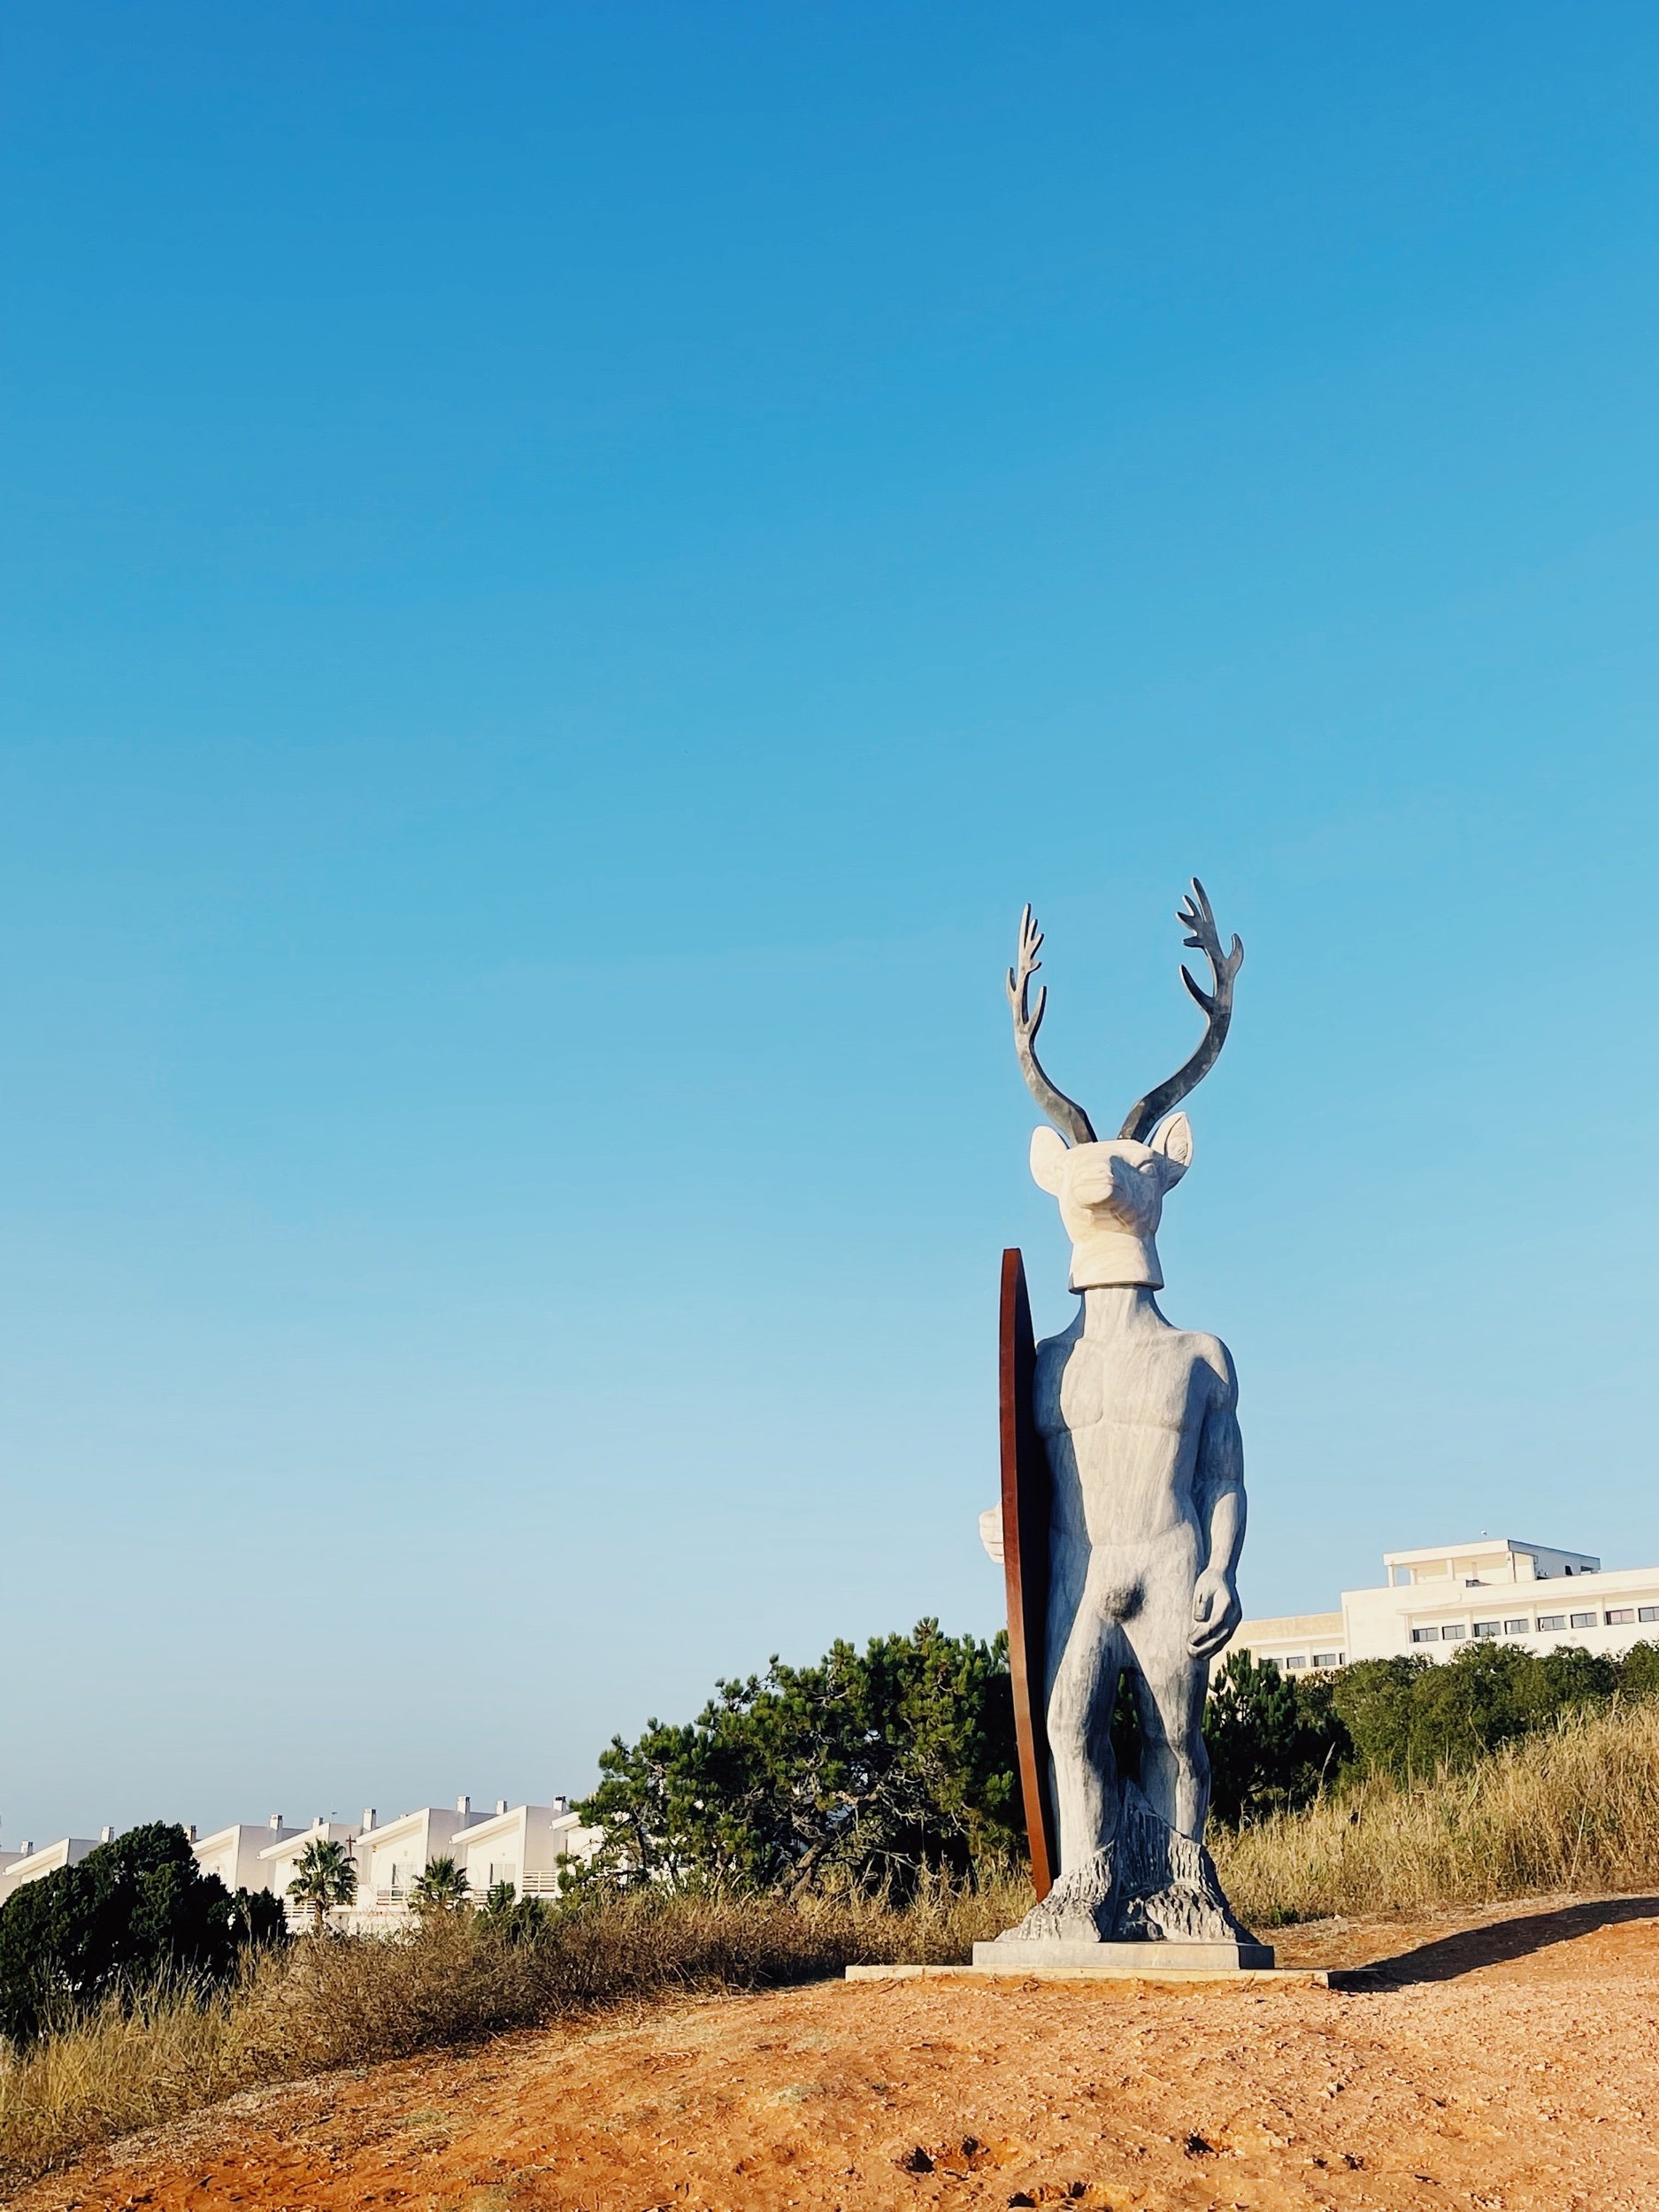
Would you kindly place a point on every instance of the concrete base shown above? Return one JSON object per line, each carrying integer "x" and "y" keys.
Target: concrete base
{"x": 1009, "y": 1955}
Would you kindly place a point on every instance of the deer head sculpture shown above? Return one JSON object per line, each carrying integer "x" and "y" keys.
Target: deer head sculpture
{"x": 1111, "y": 1193}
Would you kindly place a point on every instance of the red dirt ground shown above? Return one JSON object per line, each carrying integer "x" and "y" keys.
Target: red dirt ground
{"x": 1507, "y": 2061}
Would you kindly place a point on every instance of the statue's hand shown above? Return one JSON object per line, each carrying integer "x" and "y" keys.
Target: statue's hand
{"x": 991, "y": 1532}
{"x": 1216, "y": 1612}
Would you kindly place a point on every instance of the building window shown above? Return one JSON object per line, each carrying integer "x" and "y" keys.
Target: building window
{"x": 1584, "y": 1620}
{"x": 1515, "y": 1628}
{"x": 1327, "y": 1658}
{"x": 1454, "y": 1632}
{"x": 1296, "y": 1665}
{"x": 1551, "y": 1620}
{"x": 1620, "y": 1616}
{"x": 1425, "y": 1635}
{"x": 1648, "y": 1612}
{"x": 1488, "y": 1628}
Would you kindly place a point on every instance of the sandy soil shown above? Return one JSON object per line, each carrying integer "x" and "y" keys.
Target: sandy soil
{"x": 1505, "y": 2060}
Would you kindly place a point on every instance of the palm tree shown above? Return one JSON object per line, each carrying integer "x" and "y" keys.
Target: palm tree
{"x": 499, "y": 1899}
{"x": 443, "y": 1887}
{"x": 325, "y": 1875}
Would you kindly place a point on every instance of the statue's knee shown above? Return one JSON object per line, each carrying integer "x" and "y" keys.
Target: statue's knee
{"x": 1071, "y": 1722}
{"x": 1068, "y": 1733}
{"x": 1192, "y": 1761}
{"x": 1184, "y": 1742}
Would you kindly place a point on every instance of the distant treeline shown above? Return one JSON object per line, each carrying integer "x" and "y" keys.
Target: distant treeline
{"x": 1276, "y": 1741}
{"x": 871, "y": 1769}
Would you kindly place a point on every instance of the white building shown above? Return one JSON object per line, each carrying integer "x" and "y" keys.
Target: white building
{"x": 1460, "y": 1593}
{"x": 240, "y": 1855}
{"x": 280, "y": 1858}
{"x": 522, "y": 1844}
{"x": 30, "y": 1865}
{"x": 393, "y": 1856}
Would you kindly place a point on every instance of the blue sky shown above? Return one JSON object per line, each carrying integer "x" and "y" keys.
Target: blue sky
{"x": 568, "y": 570}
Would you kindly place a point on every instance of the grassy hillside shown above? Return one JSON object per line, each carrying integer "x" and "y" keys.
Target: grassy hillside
{"x": 1571, "y": 1807}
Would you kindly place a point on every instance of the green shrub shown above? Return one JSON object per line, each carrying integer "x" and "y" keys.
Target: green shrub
{"x": 1413, "y": 1717}
{"x": 1638, "y": 1671}
{"x": 1272, "y": 1740}
{"x": 513, "y": 1918}
{"x": 872, "y": 1766}
{"x": 1571, "y": 1680}
{"x": 130, "y": 1911}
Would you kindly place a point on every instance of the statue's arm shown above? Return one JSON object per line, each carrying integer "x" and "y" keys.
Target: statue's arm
{"x": 1220, "y": 1487}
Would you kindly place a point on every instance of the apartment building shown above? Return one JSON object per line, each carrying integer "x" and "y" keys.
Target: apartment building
{"x": 30, "y": 1865}
{"x": 1439, "y": 1598}
{"x": 520, "y": 1844}
{"x": 235, "y": 1854}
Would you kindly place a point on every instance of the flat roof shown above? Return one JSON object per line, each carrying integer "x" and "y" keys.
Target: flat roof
{"x": 1487, "y": 1544}
{"x": 1279, "y": 1625}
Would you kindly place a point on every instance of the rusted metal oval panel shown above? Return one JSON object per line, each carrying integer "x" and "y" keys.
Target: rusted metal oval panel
{"x": 1026, "y": 1565}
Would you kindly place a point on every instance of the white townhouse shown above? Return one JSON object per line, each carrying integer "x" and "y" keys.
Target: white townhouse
{"x": 1458, "y": 1594}
{"x": 520, "y": 1844}
{"x": 280, "y": 1858}
{"x": 523, "y": 1844}
{"x": 239, "y": 1854}
{"x": 30, "y": 1865}
{"x": 392, "y": 1856}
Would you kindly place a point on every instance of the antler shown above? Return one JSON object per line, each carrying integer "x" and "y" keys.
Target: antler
{"x": 1066, "y": 1114}
{"x": 1194, "y": 913}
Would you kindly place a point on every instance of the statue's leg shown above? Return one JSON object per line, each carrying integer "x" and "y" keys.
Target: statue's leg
{"x": 1086, "y": 1656}
{"x": 1169, "y": 1691}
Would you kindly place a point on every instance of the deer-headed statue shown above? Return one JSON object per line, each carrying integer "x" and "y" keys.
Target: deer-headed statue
{"x": 1137, "y": 1422}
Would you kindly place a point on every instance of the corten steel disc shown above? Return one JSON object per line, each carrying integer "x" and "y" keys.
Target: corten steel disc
{"x": 1026, "y": 1565}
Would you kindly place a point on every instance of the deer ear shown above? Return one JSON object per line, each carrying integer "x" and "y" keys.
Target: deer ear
{"x": 1047, "y": 1159}
{"x": 1173, "y": 1138}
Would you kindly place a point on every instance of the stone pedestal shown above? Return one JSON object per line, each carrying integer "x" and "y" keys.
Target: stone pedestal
{"x": 1009, "y": 1955}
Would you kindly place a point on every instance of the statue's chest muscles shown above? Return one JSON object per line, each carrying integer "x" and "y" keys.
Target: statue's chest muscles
{"x": 1085, "y": 1386}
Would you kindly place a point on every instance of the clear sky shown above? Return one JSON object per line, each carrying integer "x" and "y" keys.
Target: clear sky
{"x": 567, "y": 569}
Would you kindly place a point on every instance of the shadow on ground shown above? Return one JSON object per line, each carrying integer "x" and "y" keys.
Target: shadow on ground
{"x": 1500, "y": 1941}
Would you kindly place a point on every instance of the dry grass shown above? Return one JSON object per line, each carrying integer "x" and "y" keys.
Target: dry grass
{"x": 345, "y": 2003}
{"x": 125, "y": 2066}
{"x": 1572, "y": 1808}
{"x": 350, "y": 2003}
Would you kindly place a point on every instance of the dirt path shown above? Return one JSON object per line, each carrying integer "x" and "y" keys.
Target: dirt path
{"x": 1508, "y": 2061}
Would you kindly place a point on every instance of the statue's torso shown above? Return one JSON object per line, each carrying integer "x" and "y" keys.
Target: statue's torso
{"x": 1120, "y": 1420}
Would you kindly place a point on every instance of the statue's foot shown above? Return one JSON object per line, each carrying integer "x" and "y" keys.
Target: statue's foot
{"x": 1152, "y": 1885}
{"x": 1078, "y": 1909}
{"x": 1168, "y": 1889}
